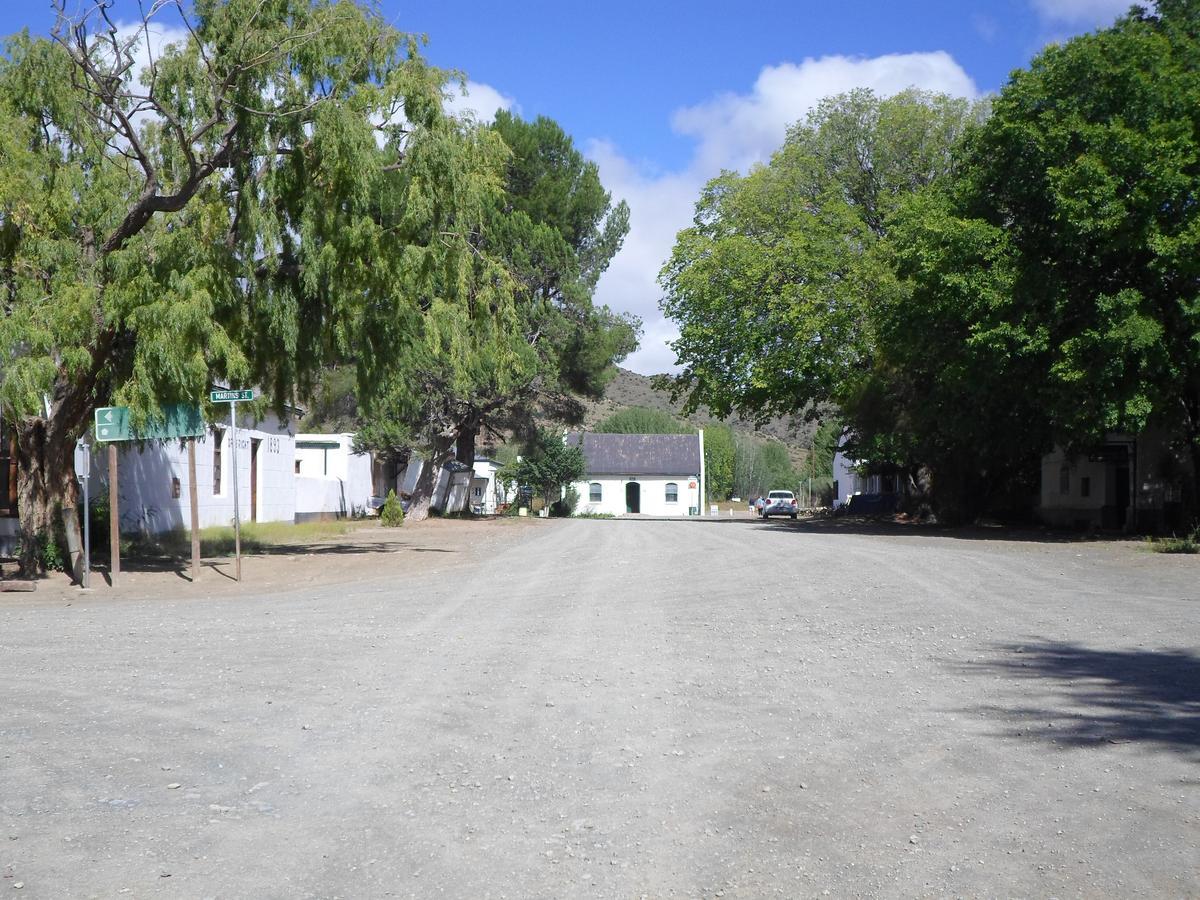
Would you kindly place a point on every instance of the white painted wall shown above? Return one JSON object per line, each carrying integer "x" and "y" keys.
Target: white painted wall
{"x": 653, "y": 495}
{"x": 9, "y": 530}
{"x": 332, "y": 481}
{"x": 847, "y": 481}
{"x": 146, "y": 474}
{"x": 486, "y": 492}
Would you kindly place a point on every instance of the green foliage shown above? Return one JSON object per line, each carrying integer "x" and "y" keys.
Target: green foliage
{"x": 594, "y": 515}
{"x": 760, "y": 466}
{"x": 719, "y": 453}
{"x": 565, "y": 507}
{"x": 773, "y": 286}
{"x": 1189, "y": 543}
{"x": 282, "y": 191}
{"x": 642, "y": 420}
{"x": 546, "y": 466}
{"x": 50, "y": 554}
{"x": 391, "y": 514}
{"x": 1056, "y": 306}
{"x": 967, "y": 292}
{"x": 542, "y": 233}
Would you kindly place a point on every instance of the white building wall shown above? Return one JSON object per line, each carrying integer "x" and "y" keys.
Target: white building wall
{"x": 484, "y": 493}
{"x": 653, "y": 495}
{"x": 332, "y": 481}
{"x": 146, "y": 475}
{"x": 847, "y": 481}
{"x": 1062, "y": 498}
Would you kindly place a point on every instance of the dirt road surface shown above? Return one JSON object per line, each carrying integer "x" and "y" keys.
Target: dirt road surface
{"x": 616, "y": 709}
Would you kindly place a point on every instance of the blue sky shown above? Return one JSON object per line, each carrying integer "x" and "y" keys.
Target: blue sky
{"x": 664, "y": 94}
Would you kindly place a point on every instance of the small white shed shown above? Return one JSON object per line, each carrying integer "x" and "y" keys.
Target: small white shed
{"x": 332, "y": 481}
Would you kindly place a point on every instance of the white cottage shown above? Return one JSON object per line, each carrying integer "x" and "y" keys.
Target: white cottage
{"x": 487, "y": 491}
{"x": 153, "y": 477}
{"x": 647, "y": 474}
{"x": 1128, "y": 483}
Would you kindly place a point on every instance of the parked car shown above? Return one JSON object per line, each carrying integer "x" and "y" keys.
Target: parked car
{"x": 779, "y": 503}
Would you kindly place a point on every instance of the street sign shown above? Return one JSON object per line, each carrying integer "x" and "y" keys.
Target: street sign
{"x": 179, "y": 420}
{"x": 233, "y": 398}
{"x": 83, "y": 460}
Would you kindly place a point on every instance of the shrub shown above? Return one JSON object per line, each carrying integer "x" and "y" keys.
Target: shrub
{"x": 391, "y": 514}
{"x": 1189, "y": 544}
{"x": 565, "y": 507}
{"x": 49, "y": 553}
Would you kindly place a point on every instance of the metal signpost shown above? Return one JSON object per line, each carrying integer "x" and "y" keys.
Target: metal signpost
{"x": 233, "y": 398}
{"x": 113, "y": 424}
{"x": 83, "y": 469}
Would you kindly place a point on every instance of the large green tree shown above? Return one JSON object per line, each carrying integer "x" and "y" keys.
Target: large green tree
{"x": 280, "y": 189}
{"x": 553, "y": 230}
{"x": 773, "y": 285}
{"x": 1051, "y": 292}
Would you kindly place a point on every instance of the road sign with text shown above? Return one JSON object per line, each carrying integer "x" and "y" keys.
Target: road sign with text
{"x": 230, "y": 396}
{"x": 179, "y": 420}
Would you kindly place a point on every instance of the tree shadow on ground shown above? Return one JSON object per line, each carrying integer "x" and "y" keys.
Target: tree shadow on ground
{"x": 1089, "y": 697}
{"x": 889, "y": 527}
{"x": 181, "y": 564}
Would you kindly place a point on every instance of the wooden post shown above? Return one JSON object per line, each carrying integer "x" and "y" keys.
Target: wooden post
{"x": 237, "y": 519}
{"x": 194, "y": 497}
{"x": 114, "y": 515}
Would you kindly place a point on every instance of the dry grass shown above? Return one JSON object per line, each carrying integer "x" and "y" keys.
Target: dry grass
{"x": 257, "y": 537}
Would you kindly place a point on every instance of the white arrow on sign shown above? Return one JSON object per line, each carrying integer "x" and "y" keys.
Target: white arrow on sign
{"x": 108, "y": 416}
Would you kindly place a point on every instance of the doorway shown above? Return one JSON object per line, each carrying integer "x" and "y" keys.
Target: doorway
{"x": 1121, "y": 495}
{"x": 254, "y": 442}
{"x": 633, "y": 497}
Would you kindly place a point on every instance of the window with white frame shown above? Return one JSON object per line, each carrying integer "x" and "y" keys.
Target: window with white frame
{"x": 595, "y": 492}
{"x": 672, "y": 492}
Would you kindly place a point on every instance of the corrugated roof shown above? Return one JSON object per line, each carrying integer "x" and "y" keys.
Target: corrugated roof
{"x": 639, "y": 454}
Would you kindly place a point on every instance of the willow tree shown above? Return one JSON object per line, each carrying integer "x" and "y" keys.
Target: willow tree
{"x": 275, "y": 190}
{"x": 542, "y": 242}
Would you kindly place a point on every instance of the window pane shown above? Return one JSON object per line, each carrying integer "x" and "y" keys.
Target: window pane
{"x": 672, "y": 492}
{"x": 594, "y": 492}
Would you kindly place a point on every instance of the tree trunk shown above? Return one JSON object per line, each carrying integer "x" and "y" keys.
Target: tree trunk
{"x": 422, "y": 495}
{"x": 46, "y": 481}
{"x": 464, "y": 446}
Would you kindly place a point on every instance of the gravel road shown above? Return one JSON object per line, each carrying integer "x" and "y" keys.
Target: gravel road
{"x": 621, "y": 709}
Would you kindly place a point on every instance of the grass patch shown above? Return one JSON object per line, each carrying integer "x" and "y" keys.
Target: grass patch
{"x": 593, "y": 516}
{"x": 257, "y": 537}
{"x": 1189, "y": 544}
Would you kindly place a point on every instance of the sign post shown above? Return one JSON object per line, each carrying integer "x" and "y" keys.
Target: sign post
{"x": 83, "y": 469}
{"x": 113, "y": 424}
{"x": 114, "y": 517}
{"x": 233, "y": 398}
{"x": 194, "y": 502}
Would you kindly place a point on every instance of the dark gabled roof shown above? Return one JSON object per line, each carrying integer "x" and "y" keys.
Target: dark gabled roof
{"x": 639, "y": 454}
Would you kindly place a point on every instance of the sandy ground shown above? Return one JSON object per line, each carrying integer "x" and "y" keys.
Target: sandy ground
{"x": 613, "y": 709}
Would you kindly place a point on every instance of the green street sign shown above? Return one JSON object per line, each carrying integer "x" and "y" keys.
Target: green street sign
{"x": 180, "y": 420}
{"x": 230, "y": 396}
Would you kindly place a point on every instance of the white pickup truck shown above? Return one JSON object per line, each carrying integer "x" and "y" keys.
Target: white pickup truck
{"x": 779, "y": 503}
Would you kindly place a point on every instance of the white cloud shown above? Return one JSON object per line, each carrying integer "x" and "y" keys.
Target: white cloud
{"x": 732, "y": 131}
{"x": 480, "y": 101}
{"x": 1083, "y": 12}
